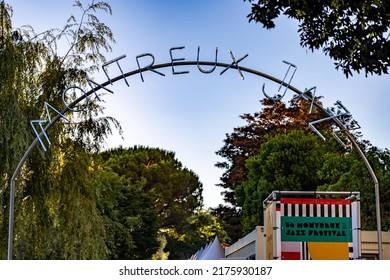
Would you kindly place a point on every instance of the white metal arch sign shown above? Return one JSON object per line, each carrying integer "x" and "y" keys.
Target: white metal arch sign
{"x": 146, "y": 62}
{"x": 149, "y": 60}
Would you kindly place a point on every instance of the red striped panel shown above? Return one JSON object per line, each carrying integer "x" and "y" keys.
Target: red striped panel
{"x": 288, "y": 200}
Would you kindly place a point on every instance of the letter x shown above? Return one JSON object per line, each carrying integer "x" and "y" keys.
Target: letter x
{"x": 235, "y": 64}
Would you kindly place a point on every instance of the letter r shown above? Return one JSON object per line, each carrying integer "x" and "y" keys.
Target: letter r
{"x": 149, "y": 67}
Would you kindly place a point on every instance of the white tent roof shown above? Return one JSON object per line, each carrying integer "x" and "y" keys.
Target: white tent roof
{"x": 212, "y": 251}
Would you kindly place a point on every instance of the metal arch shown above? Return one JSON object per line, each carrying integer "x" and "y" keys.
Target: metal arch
{"x": 134, "y": 72}
{"x": 182, "y": 63}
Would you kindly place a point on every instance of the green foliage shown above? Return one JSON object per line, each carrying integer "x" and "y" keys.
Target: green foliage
{"x": 352, "y": 175}
{"x": 57, "y": 217}
{"x": 244, "y": 142}
{"x": 300, "y": 162}
{"x": 199, "y": 229}
{"x": 152, "y": 188}
{"x": 130, "y": 218}
{"x": 55, "y": 210}
{"x": 230, "y": 218}
{"x": 178, "y": 189}
{"x": 284, "y": 162}
{"x": 353, "y": 33}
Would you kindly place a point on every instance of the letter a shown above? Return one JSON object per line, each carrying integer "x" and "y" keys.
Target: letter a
{"x": 90, "y": 82}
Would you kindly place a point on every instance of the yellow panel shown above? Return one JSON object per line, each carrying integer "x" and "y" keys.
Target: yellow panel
{"x": 269, "y": 233}
{"x": 328, "y": 250}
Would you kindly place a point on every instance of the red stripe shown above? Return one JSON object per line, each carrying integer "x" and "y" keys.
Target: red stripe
{"x": 288, "y": 200}
{"x": 291, "y": 255}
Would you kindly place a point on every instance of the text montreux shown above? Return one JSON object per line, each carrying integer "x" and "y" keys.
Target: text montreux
{"x": 175, "y": 58}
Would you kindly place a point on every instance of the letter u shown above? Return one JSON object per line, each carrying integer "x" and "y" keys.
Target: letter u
{"x": 212, "y": 69}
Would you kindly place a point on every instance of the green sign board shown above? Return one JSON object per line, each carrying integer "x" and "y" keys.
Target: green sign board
{"x": 316, "y": 229}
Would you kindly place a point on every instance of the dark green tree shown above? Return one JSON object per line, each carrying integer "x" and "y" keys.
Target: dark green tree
{"x": 178, "y": 189}
{"x": 199, "y": 229}
{"x": 350, "y": 174}
{"x": 231, "y": 219}
{"x": 285, "y": 162}
{"x": 353, "y": 33}
{"x": 304, "y": 162}
{"x": 175, "y": 193}
{"x": 273, "y": 119}
{"x": 129, "y": 215}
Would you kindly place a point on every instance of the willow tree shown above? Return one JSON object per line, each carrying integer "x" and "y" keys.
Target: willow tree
{"x": 55, "y": 211}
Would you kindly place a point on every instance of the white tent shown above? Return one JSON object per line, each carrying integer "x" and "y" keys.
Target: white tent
{"x": 212, "y": 251}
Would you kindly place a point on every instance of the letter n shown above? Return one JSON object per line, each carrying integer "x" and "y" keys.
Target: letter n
{"x": 47, "y": 105}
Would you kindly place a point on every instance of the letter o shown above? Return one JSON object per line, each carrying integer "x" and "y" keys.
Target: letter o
{"x": 86, "y": 97}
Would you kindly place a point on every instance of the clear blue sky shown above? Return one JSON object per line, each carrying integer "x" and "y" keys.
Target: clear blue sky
{"x": 191, "y": 113}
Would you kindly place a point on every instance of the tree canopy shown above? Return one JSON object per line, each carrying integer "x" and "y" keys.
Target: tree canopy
{"x": 303, "y": 162}
{"x": 353, "y": 33}
{"x": 243, "y": 142}
{"x": 276, "y": 150}
{"x": 129, "y": 216}
{"x": 55, "y": 208}
{"x": 178, "y": 189}
{"x": 285, "y": 162}
{"x": 200, "y": 228}
{"x": 159, "y": 198}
